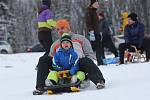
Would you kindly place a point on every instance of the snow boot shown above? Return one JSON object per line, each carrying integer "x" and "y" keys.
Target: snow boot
{"x": 39, "y": 91}
{"x": 100, "y": 85}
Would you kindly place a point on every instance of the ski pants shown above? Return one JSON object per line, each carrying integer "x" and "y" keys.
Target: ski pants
{"x": 86, "y": 65}
{"x": 45, "y": 38}
{"x": 54, "y": 76}
{"x": 108, "y": 43}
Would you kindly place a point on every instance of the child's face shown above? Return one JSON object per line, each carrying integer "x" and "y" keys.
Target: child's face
{"x": 66, "y": 45}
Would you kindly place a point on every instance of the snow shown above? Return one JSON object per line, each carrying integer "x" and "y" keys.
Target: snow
{"x": 125, "y": 82}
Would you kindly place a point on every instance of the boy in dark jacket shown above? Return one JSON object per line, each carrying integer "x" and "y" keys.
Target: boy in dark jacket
{"x": 106, "y": 35}
{"x": 134, "y": 35}
{"x": 65, "y": 59}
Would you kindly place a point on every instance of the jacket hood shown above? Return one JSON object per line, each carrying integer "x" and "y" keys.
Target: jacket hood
{"x": 42, "y": 8}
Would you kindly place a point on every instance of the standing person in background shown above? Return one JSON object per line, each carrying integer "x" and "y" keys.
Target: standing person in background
{"x": 45, "y": 24}
{"x": 92, "y": 27}
{"x": 106, "y": 35}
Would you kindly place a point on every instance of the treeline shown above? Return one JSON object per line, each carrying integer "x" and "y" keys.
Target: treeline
{"x": 23, "y": 26}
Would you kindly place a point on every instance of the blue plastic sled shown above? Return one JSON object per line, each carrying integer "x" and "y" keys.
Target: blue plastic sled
{"x": 111, "y": 60}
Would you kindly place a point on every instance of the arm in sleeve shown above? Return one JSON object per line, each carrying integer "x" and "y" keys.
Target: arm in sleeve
{"x": 89, "y": 21}
{"x": 105, "y": 28}
{"x": 74, "y": 64}
{"x": 50, "y": 19}
{"x": 87, "y": 49}
{"x": 54, "y": 48}
{"x": 56, "y": 65}
{"x": 141, "y": 35}
{"x": 126, "y": 35}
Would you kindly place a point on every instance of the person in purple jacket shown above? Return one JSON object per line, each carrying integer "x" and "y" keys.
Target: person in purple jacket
{"x": 45, "y": 24}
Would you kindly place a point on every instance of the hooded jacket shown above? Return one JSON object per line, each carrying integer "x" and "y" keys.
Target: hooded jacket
{"x": 66, "y": 60}
{"x": 45, "y": 17}
{"x": 104, "y": 27}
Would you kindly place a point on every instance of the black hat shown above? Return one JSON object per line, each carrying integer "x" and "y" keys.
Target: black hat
{"x": 133, "y": 16}
{"x": 66, "y": 37}
{"x": 93, "y": 1}
{"x": 46, "y": 2}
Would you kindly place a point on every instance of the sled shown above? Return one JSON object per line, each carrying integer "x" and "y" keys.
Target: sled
{"x": 64, "y": 84}
{"x": 114, "y": 60}
{"x": 134, "y": 57}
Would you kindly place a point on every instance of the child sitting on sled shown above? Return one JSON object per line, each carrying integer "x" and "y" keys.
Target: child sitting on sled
{"x": 65, "y": 59}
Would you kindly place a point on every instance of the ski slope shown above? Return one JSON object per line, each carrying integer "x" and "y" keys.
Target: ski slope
{"x": 125, "y": 82}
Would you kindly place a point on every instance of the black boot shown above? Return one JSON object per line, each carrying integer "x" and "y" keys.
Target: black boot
{"x": 39, "y": 91}
{"x": 100, "y": 85}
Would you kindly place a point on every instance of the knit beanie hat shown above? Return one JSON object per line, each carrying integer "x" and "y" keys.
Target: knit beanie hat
{"x": 46, "y": 2}
{"x": 133, "y": 16}
{"x": 62, "y": 23}
{"x": 93, "y": 1}
{"x": 66, "y": 37}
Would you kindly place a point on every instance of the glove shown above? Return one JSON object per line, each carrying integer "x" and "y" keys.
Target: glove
{"x": 74, "y": 79}
{"x": 91, "y": 36}
{"x": 71, "y": 72}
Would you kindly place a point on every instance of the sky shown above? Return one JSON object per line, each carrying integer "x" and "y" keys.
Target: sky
{"x": 124, "y": 82}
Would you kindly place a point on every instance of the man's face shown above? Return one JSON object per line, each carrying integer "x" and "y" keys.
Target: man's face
{"x": 66, "y": 45}
{"x": 130, "y": 21}
{"x": 61, "y": 30}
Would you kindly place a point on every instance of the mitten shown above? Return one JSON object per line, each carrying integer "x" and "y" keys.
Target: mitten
{"x": 74, "y": 79}
{"x": 91, "y": 36}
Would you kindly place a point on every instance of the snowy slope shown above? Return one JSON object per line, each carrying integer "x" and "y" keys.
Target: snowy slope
{"x": 125, "y": 82}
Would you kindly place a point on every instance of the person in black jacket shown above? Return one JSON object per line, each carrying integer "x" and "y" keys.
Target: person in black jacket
{"x": 134, "y": 35}
{"x": 106, "y": 35}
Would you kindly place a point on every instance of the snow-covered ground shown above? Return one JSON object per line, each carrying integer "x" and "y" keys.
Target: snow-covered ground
{"x": 125, "y": 82}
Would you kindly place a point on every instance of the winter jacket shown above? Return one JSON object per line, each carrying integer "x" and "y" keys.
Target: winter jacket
{"x": 134, "y": 34}
{"x": 104, "y": 27}
{"x": 91, "y": 18}
{"x": 80, "y": 44}
{"x": 45, "y": 17}
{"x": 66, "y": 60}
